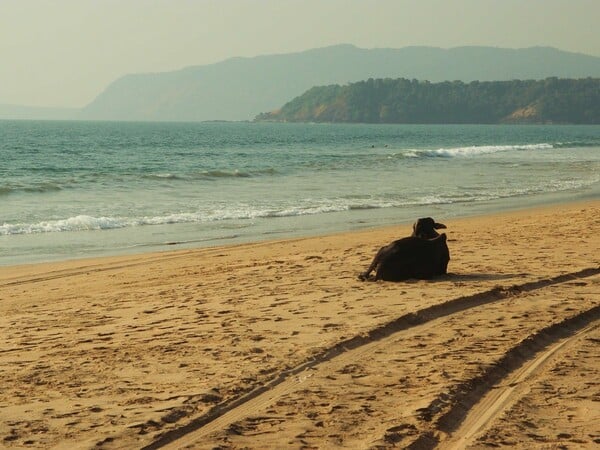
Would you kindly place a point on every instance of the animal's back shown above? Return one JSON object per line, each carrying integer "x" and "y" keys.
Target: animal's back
{"x": 413, "y": 257}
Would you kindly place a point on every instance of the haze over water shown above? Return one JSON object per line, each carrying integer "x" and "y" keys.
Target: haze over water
{"x": 76, "y": 189}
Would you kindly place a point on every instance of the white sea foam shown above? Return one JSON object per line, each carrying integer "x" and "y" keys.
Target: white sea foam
{"x": 302, "y": 208}
{"x": 77, "y": 223}
{"x": 472, "y": 150}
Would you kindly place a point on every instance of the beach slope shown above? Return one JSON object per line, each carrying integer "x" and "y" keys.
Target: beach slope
{"x": 279, "y": 345}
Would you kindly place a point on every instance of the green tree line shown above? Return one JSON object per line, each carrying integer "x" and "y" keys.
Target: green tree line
{"x": 552, "y": 100}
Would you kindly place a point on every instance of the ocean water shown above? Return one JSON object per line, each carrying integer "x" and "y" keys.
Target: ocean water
{"x": 79, "y": 189}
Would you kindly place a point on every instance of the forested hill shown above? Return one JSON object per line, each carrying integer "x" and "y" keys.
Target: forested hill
{"x": 553, "y": 100}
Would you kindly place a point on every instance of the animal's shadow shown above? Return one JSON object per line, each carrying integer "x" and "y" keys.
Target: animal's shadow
{"x": 478, "y": 277}
{"x": 465, "y": 277}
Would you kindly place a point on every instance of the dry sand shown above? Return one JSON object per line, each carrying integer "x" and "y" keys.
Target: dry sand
{"x": 279, "y": 345}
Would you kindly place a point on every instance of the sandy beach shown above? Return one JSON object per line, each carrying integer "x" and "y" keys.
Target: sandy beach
{"x": 279, "y": 345}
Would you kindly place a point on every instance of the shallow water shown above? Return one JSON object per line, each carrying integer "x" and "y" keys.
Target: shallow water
{"x": 75, "y": 189}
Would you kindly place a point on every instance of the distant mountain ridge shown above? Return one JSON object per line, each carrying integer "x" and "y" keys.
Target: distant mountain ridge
{"x": 240, "y": 88}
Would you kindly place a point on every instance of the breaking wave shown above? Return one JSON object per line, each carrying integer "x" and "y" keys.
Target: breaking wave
{"x": 312, "y": 207}
{"x": 210, "y": 174}
{"x": 37, "y": 188}
{"x": 471, "y": 151}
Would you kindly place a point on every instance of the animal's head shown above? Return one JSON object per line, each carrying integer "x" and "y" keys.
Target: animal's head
{"x": 425, "y": 228}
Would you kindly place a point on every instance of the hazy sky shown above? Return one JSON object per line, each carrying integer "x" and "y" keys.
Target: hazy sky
{"x": 65, "y": 52}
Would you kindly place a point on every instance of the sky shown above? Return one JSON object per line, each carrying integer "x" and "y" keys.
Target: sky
{"x": 63, "y": 53}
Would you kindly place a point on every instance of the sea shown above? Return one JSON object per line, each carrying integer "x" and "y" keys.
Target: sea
{"x": 75, "y": 189}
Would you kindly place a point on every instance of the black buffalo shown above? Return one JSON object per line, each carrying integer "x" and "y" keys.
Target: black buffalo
{"x": 423, "y": 255}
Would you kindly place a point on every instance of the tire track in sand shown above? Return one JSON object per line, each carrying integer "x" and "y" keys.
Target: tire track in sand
{"x": 476, "y": 403}
{"x": 228, "y": 412}
{"x": 499, "y": 400}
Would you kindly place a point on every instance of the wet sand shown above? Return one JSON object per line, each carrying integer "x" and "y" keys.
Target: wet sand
{"x": 279, "y": 345}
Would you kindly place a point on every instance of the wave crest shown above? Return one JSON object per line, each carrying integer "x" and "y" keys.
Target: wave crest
{"x": 37, "y": 188}
{"x": 302, "y": 208}
{"x": 470, "y": 151}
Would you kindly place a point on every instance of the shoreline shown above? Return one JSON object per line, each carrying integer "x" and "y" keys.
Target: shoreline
{"x": 194, "y": 186}
{"x": 175, "y": 246}
{"x": 291, "y": 349}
